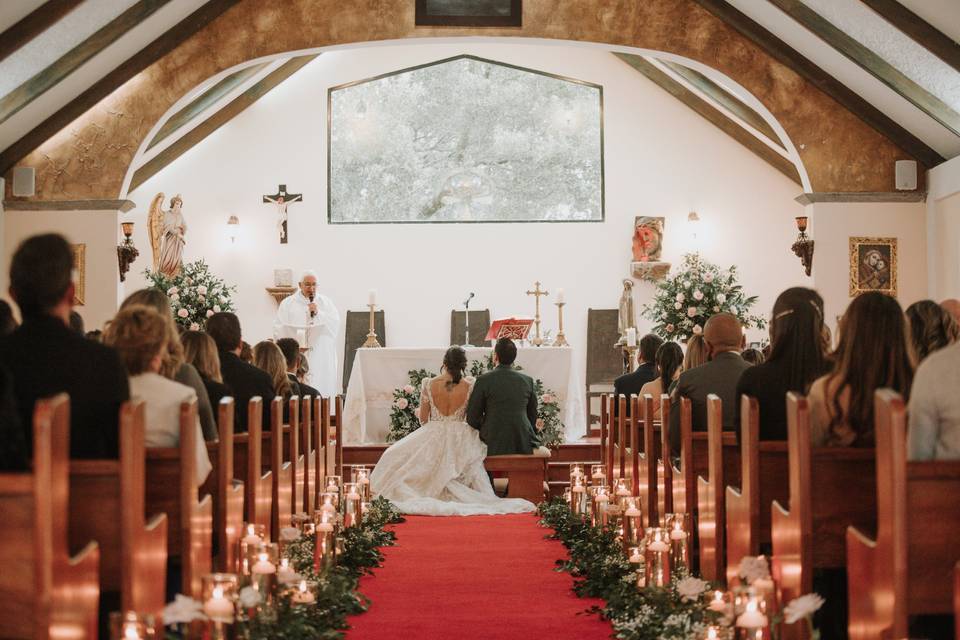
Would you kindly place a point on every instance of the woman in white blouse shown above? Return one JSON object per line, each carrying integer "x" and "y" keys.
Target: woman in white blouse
{"x": 139, "y": 334}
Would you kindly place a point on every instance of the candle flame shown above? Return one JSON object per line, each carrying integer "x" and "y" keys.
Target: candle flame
{"x": 217, "y": 592}
{"x": 712, "y": 633}
{"x": 752, "y": 604}
{"x": 285, "y": 563}
{"x": 262, "y": 557}
{"x": 303, "y": 586}
{"x": 130, "y": 632}
{"x": 251, "y": 530}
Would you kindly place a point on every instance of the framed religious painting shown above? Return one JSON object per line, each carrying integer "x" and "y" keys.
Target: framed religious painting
{"x": 79, "y": 273}
{"x": 873, "y": 265}
{"x": 469, "y": 13}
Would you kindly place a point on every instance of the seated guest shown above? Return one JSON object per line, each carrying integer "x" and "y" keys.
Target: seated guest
{"x": 140, "y": 335}
{"x": 76, "y": 322}
{"x": 200, "y": 350}
{"x": 174, "y": 366}
{"x": 244, "y": 379}
{"x": 7, "y": 322}
{"x": 13, "y": 448}
{"x": 935, "y": 407}
{"x": 46, "y": 357}
{"x": 291, "y": 352}
{"x": 630, "y": 384}
{"x": 952, "y": 306}
{"x": 723, "y": 340}
{"x": 96, "y": 335}
{"x": 752, "y": 356}
{"x": 246, "y": 352}
{"x": 931, "y": 328}
{"x": 872, "y": 353}
{"x": 796, "y": 359}
{"x": 696, "y": 353}
{"x": 669, "y": 366}
{"x": 268, "y": 357}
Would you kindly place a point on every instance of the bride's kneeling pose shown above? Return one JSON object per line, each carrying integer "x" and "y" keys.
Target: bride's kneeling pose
{"x": 438, "y": 469}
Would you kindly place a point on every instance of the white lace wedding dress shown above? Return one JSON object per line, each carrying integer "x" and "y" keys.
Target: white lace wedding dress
{"x": 438, "y": 469}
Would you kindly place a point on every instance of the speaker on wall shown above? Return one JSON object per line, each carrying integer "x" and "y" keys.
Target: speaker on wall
{"x": 906, "y": 175}
{"x": 23, "y": 181}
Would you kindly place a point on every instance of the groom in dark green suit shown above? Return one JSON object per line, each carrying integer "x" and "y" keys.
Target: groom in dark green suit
{"x": 503, "y": 406}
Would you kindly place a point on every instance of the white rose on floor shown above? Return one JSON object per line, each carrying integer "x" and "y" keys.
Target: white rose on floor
{"x": 680, "y": 297}
{"x": 209, "y": 312}
{"x": 698, "y": 295}
{"x": 402, "y": 404}
{"x": 172, "y": 290}
{"x": 721, "y": 298}
{"x": 183, "y": 313}
{"x": 697, "y": 329}
{"x": 408, "y": 388}
{"x": 691, "y": 588}
{"x": 289, "y": 534}
{"x": 216, "y": 308}
{"x": 754, "y": 568}
{"x": 174, "y": 297}
{"x": 249, "y": 598}
{"x": 669, "y": 328}
{"x": 202, "y": 290}
{"x": 182, "y": 609}
{"x": 194, "y": 326}
{"x": 802, "y": 607}
{"x": 691, "y": 311}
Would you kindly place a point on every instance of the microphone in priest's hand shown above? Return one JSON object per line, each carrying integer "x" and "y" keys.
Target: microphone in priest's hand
{"x": 313, "y": 312}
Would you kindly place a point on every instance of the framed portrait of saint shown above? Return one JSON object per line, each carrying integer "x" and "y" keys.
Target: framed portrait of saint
{"x": 873, "y": 265}
{"x": 79, "y": 273}
{"x": 469, "y": 13}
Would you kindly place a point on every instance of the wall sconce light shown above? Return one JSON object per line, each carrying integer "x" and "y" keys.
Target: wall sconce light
{"x": 233, "y": 228}
{"x": 126, "y": 252}
{"x": 803, "y": 247}
{"x": 693, "y": 221}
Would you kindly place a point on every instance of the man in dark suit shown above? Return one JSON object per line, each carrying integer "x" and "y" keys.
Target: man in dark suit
{"x": 45, "y": 356}
{"x": 245, "y": 379}
{"x": 291, "y": 353}
{"x": 631, "y": 383}
{"x": 723, "y": 337}
{"x": 503, "y": 406}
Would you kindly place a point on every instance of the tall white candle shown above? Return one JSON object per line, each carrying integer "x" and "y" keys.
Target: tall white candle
{"x": 631, "y": 337}
{"x": 372, "y": 296}
{"x": 561, "y": 298}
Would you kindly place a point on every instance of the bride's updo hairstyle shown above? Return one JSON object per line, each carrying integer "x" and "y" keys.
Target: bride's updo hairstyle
{"x": 455, "y": 362}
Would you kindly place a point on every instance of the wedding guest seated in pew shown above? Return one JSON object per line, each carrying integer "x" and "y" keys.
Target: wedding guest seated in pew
{"x": 873, "y": 353}
{"x": 669, "y": 366}
{"x": 243, "y": 378}
{"x": 174, "y": 366}
{"x": 796, "y": 359}
{"x": 140, "y": 335}
{"x": 695, "y": 355}
{"x": 934, "y": 409}
{"x": 630, "y": 384}
{"x": 931, "y": 328}
{"x": 200, "y": 350}
{"x": 7, "y": 322}
{"x": 952, "y": 306}
{"x": 268, "y": 357}
{"x": 753, "y": 357}
{"x": 723, "y": 339}
{"x": 45, "y": 357}
{"x": 291, "y": 352}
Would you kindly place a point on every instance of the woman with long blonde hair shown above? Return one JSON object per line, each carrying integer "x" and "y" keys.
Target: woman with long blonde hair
{"x": 267, "y": 356}
{"x": 201, "y": 351}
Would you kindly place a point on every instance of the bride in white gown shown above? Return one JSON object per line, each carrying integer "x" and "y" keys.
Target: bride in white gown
{"x": 438, "y": 469}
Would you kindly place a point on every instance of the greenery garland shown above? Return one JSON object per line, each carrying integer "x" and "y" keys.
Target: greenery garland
{"x": 601, "y": 570}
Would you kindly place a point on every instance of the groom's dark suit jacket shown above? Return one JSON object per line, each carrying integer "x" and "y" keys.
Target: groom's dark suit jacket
{"x": 503, "y": 407}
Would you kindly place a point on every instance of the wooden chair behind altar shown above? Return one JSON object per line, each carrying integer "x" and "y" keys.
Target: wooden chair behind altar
{"x": 604, "y": 363}
{"x": 44, "y": 592}
{"x": 172, "y": 488}
{"x": 831, "y": 488}
{"x": 283, "y": 470}
{"x": 902, "y": 572}
{"x": 355, "y": 334}
{"x": 248, "y": 464}
{"x": 479, "y": 325}
{"x": 107, "y": 504}
{"x": 764, "y": 478}
{"x": 228, "y": 492}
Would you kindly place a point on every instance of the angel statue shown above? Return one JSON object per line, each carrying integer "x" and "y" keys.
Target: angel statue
{"x": 167, "y": 235}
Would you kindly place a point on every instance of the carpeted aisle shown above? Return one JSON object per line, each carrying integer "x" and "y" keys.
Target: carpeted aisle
{"x": 489, "y": 577}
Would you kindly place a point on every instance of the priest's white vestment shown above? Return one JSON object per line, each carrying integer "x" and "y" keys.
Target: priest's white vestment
{"x": 318, "y": 334}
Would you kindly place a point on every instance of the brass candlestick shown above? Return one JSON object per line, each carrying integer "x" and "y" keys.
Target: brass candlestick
{"x": 561, "y": 340}
{"x": 537, "y": 340}
{"x": 372, "y": 342}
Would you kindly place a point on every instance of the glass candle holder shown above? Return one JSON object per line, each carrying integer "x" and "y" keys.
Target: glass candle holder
{"x": 720, "y": 602}
{"x": 752, "y": 623}
{"x": 264, "y": 561}
{"x": 286, "y": 574}
{"x": 361, "y": 477}
{"x": 579, "y": 502}
{"x": 219, "y": 597}
{"x": 566, "y": 495}
{"x": 329, "y": 502}
{"x": 334, "y": 484}
{"x": 352, "y": 505}
{"x": 130, "y": 625}
{"x": 678, "y": 524}
{"x": 253, "y": 535}
{"x": 598, "y": 474}
{"x": 622, "y": 489}
{"x": 302, "y": 594}
{"x": 600, "y": 502}
{"x": 657, "y": 557}
{"x": 633, "y": 531}
{"x": 576, "y": 471}
{"x": 325, "y": 549}
{"x": 714, "y": 632}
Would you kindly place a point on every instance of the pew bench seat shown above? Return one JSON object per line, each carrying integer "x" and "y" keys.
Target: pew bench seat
{"x": 526, "y": 475}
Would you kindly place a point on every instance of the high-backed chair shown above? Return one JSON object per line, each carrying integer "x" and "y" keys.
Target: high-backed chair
{"x": 355, "y": 333}
{"x": 604, "y": 363}
{"x": 479, "y": 325}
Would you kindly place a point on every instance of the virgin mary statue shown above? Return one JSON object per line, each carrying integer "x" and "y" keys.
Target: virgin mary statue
{"x": 168, "y": 232}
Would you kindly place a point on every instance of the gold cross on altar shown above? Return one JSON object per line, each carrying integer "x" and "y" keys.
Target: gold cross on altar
{"x": 537, "y": 340}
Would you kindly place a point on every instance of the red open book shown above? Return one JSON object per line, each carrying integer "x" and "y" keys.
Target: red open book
{"x": 513, "y": 328}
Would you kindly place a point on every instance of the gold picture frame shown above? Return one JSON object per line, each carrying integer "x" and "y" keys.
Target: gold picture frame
{"x": 873, "y": 265}
{"x": 79, "y": 273}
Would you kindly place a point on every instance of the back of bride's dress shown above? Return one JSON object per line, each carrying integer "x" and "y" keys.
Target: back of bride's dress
{"x": 438, "y": 469}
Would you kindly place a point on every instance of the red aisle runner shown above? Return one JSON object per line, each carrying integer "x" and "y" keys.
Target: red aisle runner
{"x": 489, "y": 577}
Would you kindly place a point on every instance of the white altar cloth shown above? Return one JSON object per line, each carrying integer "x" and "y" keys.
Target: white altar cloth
{"x": 377, "y": 372}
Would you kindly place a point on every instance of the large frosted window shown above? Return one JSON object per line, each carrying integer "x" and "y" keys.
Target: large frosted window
{"x": 465, "y": 140}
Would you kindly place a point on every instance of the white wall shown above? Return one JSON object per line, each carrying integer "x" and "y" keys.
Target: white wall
{"x": 943, "y": 229}
{"x": 661, "y": 159}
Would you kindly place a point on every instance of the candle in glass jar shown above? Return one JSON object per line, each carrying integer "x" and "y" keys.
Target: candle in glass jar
{"x": 635, "y": 556}
{"x": 302, "y": 594}
{"x": 578, "y": 488}
{"x": 263, "y": 565}
{"x": 218, "y": 607}
{"x": 632, "y": 511}
{"x": 712, "y": 634}
{"x": 677, "y": 533}
{"x": 658, "y": 545}
{"x": 718, "y": 603}
{"x": 631, "y": 337}
{"x": 252, "y": 537}
{"x": 752, "y": 618}
{"x": 286, "y": 572}
{"x": 353, "y": 495}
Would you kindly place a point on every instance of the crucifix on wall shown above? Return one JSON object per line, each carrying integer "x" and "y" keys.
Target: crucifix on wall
{"x": 281, "y": 199}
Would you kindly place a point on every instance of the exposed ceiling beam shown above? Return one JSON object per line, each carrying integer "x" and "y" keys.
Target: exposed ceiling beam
{"x": 849, "y": 99}
{"x": 76, "y": 57}
{"x": 721, "y": 96}
{"x": 712, "y": 114}
{"x": 106, "y": 85}
{"x": 871, "y": 63}
{"x": 33, "y": 24}
{"x": 202, "y": 102}
{"x": 218, "y": 119}
{"x": 921, "y": 31}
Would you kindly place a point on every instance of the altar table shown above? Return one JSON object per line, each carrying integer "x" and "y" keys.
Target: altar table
{"x": 377, "y": 372}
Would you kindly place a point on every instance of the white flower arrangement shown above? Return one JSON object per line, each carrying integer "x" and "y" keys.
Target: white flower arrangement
{"x": 249, "y": 597}
{"x": 182, "y": 610}
{"x": 289, "y": 534}
{"x": 753, "y": 568}
{"x": 690, "y": 588}
{"x": 195, "y": 294}
{"x": 802, "y": 607}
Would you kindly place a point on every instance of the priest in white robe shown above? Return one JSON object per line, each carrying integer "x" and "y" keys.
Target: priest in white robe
{"x": 313, "y": 321}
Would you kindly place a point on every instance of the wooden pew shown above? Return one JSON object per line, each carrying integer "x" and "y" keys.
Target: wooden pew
{"x": 172, "y": 488}
{"x": 634, "y": 426}
{"x": 526, "y": 474}
{"x": 830, "y": 489}
{"x": 646, "y": 459}
{"x": 956, "y": 601}
{"x": 293, "y": 455}
{"x": 764, "y": 478}
{"x": 248, "y": 464}
{"x": 606, "y": 410}
{"x": 107, "y": 505}
{"x": 619, "y": 446}
{"x": 684, "y": 476}
{"x": 902, "y": 572}
{"x": 664, "y": 467}
{"x": 334, "y": 438}
{"x": 309, "y": 486}
{"x": 321, "y": 407}
{"x": 283, "y": 473}
{"x": 45, "y": 593}
{"x": 228, "y": 492}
